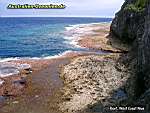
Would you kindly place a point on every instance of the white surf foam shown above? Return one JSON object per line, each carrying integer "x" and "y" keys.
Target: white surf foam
{"x": 8, "y": 71}
{"x": 17, "y": 58}
{"x": 71, "y": 27}
{"x": 10, "y": 68}
{"x": 1, "y": 82}
{"x": 59, "y": 55}
{"x": 8, "y": 59}
{"x": 75, "y": 32}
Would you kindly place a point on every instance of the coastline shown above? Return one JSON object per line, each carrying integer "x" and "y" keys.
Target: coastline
{"x": 77, "y": 32}
{"x": 8, "y": 85}
{"x": 42, "y": 91}
{"x": 91, "y": 36}
{"x": 93, "y": 82}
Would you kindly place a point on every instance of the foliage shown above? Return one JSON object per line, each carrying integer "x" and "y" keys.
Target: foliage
{"x": 138, "y": 6}
{"x": 140, "y": 3}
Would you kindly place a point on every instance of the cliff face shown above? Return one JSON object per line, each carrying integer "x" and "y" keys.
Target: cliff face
{"x": 144, "y": 50}
{"x": 132, "y": 26}
{"x": 128, "y": 21}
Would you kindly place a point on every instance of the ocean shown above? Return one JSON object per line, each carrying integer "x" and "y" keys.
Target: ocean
{"x": 39, "y": 37}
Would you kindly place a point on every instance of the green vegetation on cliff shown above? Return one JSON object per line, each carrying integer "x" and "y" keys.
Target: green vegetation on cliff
{"x": 138, "y": 6}
{"x": 140, "y": 3}
{"x": 132, "y": 23}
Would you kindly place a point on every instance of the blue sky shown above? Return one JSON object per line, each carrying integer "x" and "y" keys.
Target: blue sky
{"x": 78, "y": 8}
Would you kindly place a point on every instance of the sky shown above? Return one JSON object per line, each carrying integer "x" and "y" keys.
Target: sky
{"x": 74, "y": 8}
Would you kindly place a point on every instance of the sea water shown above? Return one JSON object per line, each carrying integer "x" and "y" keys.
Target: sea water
{"x": 38, "y": 37}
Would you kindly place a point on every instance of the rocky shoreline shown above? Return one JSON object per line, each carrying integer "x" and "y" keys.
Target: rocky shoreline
{"x": 15, "y": 75}
{"x": 95, "y": 79}
{"x": 92, "y": 79}
{"x": 8, "y": 84}
{"x": 92, "y": 82}
{"x": 99, "y": 39}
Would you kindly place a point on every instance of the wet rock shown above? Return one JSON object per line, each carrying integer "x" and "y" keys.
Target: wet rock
{"x": 14, "y": 90}
{"x": 22, "y": 81}
{"x": 25, "y": 68}
{"x": 8, "y": 70}
{"x": 2, "y": 99}
{"x": 13, "y": 78}
{"x": 120, "y": 94}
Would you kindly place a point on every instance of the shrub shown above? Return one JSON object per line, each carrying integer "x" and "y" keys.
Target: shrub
{"x": 140, "y": 3}
{"x": 138, "y": 6}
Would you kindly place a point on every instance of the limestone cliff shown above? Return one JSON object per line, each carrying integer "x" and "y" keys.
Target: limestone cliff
{"x": 131, "y": 25}
{"x": 129, "y": 21}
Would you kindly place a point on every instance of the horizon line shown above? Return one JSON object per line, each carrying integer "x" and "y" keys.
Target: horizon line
{"x": 58, "y": 16}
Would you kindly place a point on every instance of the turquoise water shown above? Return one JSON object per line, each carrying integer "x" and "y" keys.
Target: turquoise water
{"x": 38, "y": 37}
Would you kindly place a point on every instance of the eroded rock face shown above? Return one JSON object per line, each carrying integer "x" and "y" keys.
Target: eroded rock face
{"x": 144, "y": 101}
{"x": 128, "y": 22}
{"x": 144, "y": 64}
{"x": 133, "y": 27}
{"x": 144, "y": 51}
